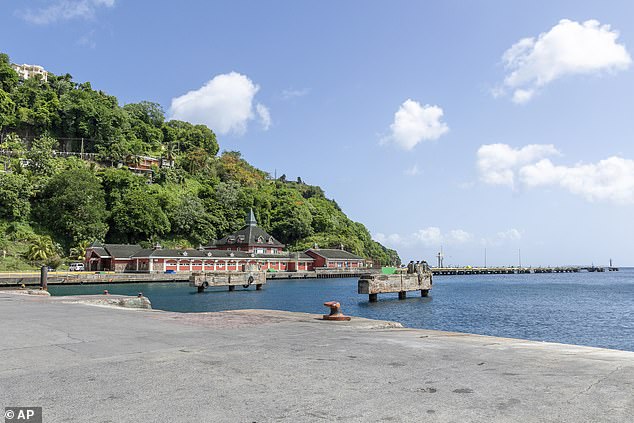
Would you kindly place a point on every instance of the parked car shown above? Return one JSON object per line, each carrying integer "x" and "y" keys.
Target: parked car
{"x": 76, "y": 267}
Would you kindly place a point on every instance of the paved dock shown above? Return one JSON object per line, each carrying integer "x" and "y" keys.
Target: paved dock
{"x": 87, "y": 363}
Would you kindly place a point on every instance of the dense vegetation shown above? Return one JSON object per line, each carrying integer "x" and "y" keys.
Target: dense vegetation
{"x": 53, "y": 205}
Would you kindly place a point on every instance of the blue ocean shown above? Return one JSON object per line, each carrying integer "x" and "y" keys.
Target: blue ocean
{"x": 593, "y": 309}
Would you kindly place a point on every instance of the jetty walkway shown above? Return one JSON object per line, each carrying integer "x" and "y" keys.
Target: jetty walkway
{"x": 83, "y": 363}
{"x": 468, "y": 270}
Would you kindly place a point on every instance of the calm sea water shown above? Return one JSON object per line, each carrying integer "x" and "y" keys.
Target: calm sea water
{"x": 595, "y": 309}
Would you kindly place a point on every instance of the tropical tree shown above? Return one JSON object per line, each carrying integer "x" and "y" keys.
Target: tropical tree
{"x": 41, "y": 248}
{"x": 137, "y": 216}
{"x": 72, "y": 206}
{"x": 15, "y": 192}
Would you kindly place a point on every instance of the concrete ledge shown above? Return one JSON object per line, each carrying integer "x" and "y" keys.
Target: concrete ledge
{"x": 85, "y": 363}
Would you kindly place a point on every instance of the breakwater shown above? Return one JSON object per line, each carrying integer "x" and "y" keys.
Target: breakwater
{"x": 81, "y": 278}
{"x": 468, "y": 270}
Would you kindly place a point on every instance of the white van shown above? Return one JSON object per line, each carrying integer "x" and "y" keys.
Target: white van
{"x": 76, "y": 267}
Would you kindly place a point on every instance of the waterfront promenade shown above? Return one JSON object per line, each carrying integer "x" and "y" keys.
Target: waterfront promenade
{"x": 88, "y": 363}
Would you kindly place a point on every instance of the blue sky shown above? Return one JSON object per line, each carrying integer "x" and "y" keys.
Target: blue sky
{"x": 471, "y": 125}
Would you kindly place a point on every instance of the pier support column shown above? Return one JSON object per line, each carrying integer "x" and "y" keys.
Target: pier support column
{"x": 424, "y": 292}
{"x": 201, "y": 288}
{"x": 44, "y": 278}
{"x": 373, "y": 298}
{"x": 402, "y": 295}
{"x": 232, "y": 287}
{"x": 258, "y": 287}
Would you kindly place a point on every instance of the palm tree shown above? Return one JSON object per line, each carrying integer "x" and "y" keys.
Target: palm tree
{"x": 79, "y": 251}
{"x": 170, "y": 151}
{"x": 41, "y": 248}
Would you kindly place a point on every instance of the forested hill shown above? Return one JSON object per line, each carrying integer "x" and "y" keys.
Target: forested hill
{"x": 65, "y": 180}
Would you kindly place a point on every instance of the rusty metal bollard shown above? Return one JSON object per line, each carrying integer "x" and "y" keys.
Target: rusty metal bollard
{"x": 105, "y": 292}
{"x": 140, "y": 295}
{"x": 335, "y": 312}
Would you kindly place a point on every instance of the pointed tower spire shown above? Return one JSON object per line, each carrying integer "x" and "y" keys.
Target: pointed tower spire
{"x": 251, "y": 219}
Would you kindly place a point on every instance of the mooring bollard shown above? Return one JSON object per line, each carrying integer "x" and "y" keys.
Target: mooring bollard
{"x": 44, "y": 278}
{"x": 140, "y": 295}
{"x": 335, "y": 312}
{"x": 105, "y": 292}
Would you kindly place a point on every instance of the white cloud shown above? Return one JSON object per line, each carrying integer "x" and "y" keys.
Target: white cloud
{"x": 503, "y": 237}
{"x": 87, "y": 40}
{"x": 265, "y": 116}
{"x": 63, "y": 10}
{"x": 414, "y": 123}
{"x": 497, "y": 163}
{"x": 568, "y": 48}
{"x": 225, "y": 104}
{"x": 431, "y": 236}
{"x": 434, "y": 237}
{"x": 412, "y": 171}
{"x": 611, "y": 179}
{"x": 292, "y": 93}
{"x": 511, "y": 235}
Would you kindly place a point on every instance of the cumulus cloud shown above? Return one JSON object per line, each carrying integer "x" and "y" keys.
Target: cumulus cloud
{"x": 225, "y": 104}
{"x": 503, "y": 237}
{"x": 265, "y": 115}
{"x": 64, "y": 10}
{"x": 611, "y": 179}
{"x": 434, "y": 237}
{"x": 568, "y": 48}
{"x": 414, "y": 123}
{"x": 429, "y": 237}
{"x": 498, "y": 163}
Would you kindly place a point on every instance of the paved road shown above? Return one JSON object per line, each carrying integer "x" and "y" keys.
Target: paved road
{"x": 84, "y": 363}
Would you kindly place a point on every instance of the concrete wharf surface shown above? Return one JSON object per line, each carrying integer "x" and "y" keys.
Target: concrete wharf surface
{"x": 86, "y": 363}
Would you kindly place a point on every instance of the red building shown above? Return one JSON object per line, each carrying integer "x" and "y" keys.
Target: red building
{"x": 249, "y": 245}
{"x": 110, "y": 257}
{"x": 250, "y": 238}
{"x": 334, "y": 259}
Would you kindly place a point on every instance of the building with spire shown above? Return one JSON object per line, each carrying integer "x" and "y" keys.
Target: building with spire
{"x": 251, "y": 238}
{"x": 251, "y": 245}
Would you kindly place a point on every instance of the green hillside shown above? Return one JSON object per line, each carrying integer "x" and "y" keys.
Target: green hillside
{"x": 66, "y": 151}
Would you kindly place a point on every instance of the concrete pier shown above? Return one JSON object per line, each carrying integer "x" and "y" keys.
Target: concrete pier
{"x": 401, "y": 283}
{"x": 85, "y": 363}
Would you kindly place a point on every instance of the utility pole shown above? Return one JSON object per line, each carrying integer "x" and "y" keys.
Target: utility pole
{"x": 440, "y": 257}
